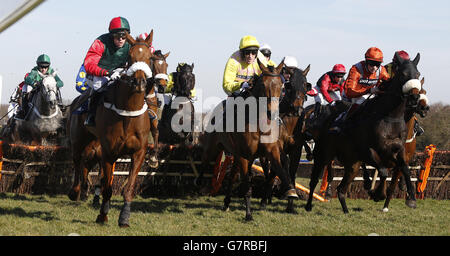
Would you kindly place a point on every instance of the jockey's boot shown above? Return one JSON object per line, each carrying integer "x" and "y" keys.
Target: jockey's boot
{"x": 92, "y": 107}
{"x": 417, "y": 128}
{"x": 316, "y": 113}
{"x": 23, "y": 108}
{"x": 340, "y": 120}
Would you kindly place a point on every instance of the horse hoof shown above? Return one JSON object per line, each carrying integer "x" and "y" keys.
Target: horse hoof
{"x": 248, "y": 217}
{"x": 101, "y": 219}
{"x": 226, "y": 209}
{"x": 124, "y": 225}
{"x": 290, "y": 210}
{"x": 291, "y": 193}
{"x": 74, "y": 196}
{"x": 153, "y": 165}
{"x": 385, "y": 209}
{"x": 308, "y": 208}
{"x": 411, "y": 203}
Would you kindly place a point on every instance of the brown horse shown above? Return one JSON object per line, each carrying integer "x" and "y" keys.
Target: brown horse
{"x": 291, "y": 138}
{"x": 122, "y": 126}
{"x": 245, "y": 145}
{"x": 377, "y": 138}
{"x": 158, "y": 66}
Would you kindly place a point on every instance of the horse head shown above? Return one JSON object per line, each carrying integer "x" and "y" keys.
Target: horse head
{"x": 139, "y": 61}
{"x": 295, "y": 91}
{"x": 49, "y": 89}
{"x": 406, "y": 82}
{"x": 158, "y": 65}
{"x": 184, "y": 80}
{"x": 422, "y": 106}
{"x": 268, "y": 84}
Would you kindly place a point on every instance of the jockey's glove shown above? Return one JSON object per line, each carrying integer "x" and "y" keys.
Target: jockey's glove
{"x": 244, "y": 86}
{"x": 115, "y": 75}
{"x": 374, "y": 90}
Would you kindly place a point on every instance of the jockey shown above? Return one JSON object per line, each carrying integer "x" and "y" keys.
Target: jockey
{"x": 267, "y": 52}
{"x": 105, "y": 61}
{"x": 33, "y": 78}
{"x": 392, "y": 67}
{"x": 362, "y": 81}
{"x": 329, "y": 87}
{"x": 242, "y": 66}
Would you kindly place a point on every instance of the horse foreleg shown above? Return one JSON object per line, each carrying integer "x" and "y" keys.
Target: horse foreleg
{"x": 268, "y": 183}
{"x": 247, "y": 175}
{"x": 155, "y": 134}
{"x": 107, "y": 190}
{"x": 350, "y": 172}
{"x": 137, "y": 160}
{"x": 231, "y": 178}
{"x": 390, "y": 191}
{"x": 74, "y": 193}
{"x": 411, "y": 198}
{"x": 322, "y": 157}
{"x": 330, "y": 177}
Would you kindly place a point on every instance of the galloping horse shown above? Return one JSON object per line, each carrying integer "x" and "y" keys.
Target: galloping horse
{"x": 122, "y": 126}
{"x": 44, "y": 118}
{"x": 246, "y": 145}
{"x": 379, "y": 137}
{"x": 181, "y": 108}
{"x": 158, "y": 66}
{"x": 291, "y": 137}
{"x": 420, "y": 108}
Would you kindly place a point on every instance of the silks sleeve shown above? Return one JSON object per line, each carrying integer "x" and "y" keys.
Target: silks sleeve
{"x": 229, "y": 76}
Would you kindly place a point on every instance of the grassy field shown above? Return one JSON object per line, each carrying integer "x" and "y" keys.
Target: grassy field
{"x": 57, "y": 216}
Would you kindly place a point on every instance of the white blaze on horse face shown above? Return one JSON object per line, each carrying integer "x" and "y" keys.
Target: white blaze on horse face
{"x": 49, "y": 83}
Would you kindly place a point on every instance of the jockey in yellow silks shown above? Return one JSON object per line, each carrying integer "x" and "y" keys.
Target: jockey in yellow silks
{"x": 242, "y": 66}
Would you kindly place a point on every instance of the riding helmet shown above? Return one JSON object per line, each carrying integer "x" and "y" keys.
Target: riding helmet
{"x": 119, "y": 24}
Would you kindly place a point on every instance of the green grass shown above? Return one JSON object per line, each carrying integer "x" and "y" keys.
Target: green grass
{"x": 58, "y": 216}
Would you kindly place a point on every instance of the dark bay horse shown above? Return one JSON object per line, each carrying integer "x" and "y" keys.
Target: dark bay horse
{"x": 122, "y": 126}
{"x": 158, "y": 81}
{"x": 377, "y": 139}
{"x": 253, "y": 141}
{"x": 420, "y": 108}
{"x": 291, "y": 136}
{"x": 177, "y": 119}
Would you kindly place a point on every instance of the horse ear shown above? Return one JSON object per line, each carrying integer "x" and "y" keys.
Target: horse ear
{"x": 263, "y": 68}
{"x": 192, "y": 65}
{"x": 416, "y": 59}
{"x": 306, "y": 71}
{"x": 422, "y": 81}
{"x": 129, "y": 38}
{"x": 166, "y": 55}
{"x": 280, "y": 67}
{"x": 149, "y": 38}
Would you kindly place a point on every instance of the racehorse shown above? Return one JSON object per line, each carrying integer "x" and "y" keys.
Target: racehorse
{"x": 122, "y": 126}
{"x": 158, "y": 66}
{"x": 420, "y": 108}
{"x": 291, "y": 136}
{"x": 179, "y": 109}
{"x": 377, "y": 139}
{"x": 248, "y": 144}
{"x": 44, "y": 119}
